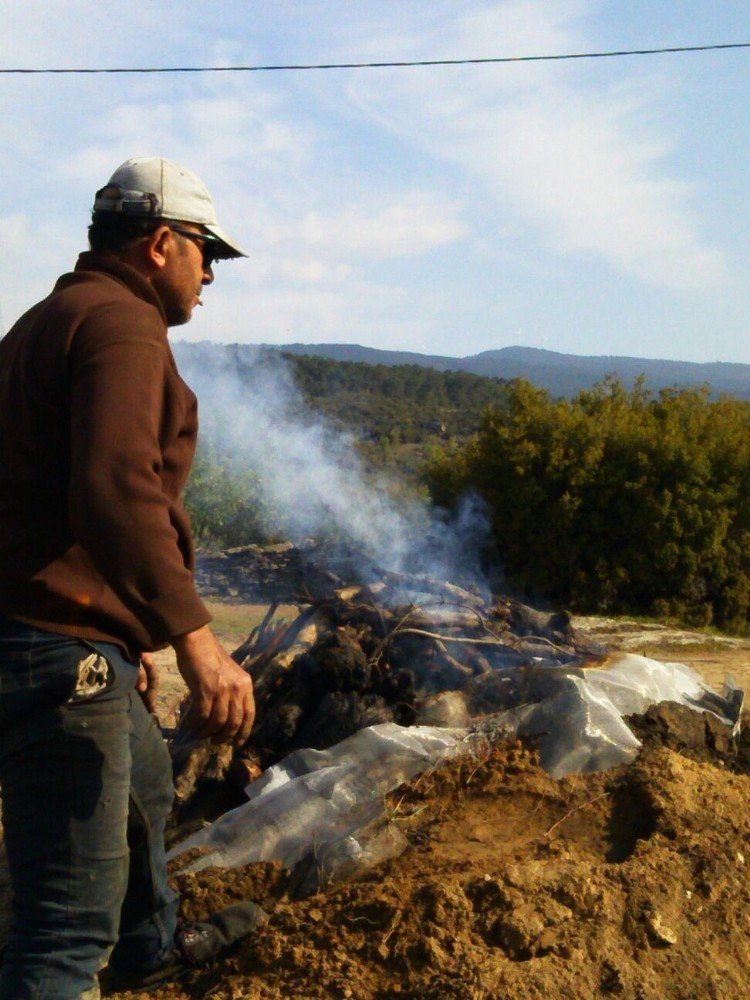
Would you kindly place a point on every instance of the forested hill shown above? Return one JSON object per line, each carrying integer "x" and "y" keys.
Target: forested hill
{"x": 383, "y": 404}
{"x": 398, "y": 419}
{"x": 562, "y": 375}
{"x": 405, "y": 401}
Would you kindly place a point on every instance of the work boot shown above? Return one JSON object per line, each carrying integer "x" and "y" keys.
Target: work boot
{"x": 195, "y": 944}
{"x": 199, "y": 942}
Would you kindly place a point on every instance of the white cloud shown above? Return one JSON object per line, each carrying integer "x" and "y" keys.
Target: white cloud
{"x": 303, "y": 270}
{"x": 388, "y": 206}
{"x": 15, "y": 230}
{"x": 413, "y": 226}
{"x": 277, "y": 310}
{"x": 591, "y": 189}
{"x": 78, "y": 33}
{"x": 414, "y": 223}
{"x": 578, "y": 162}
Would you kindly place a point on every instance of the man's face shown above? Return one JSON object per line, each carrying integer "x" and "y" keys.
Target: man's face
{"x": 180, "y": 282}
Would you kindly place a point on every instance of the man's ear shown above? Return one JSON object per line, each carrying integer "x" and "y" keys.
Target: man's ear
{"x": 158, "y": 246}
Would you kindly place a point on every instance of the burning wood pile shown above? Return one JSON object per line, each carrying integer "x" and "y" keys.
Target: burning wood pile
{"x": 406, "y": 649}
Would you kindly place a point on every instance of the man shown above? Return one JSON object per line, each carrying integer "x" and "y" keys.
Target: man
{"x": 97, "y": 434}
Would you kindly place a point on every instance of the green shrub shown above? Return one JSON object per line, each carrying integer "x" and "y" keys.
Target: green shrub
{"x": 225, "y": 505}
{"x": 615, "y": 500}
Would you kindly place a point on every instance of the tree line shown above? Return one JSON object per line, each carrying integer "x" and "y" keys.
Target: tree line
{"x": 379, "y": 402}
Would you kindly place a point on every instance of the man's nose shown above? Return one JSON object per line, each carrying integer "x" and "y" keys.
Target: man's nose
{"x": 208, "y": 276}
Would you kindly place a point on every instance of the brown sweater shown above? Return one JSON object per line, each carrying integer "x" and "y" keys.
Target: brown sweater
{"x": 97, "y": 434}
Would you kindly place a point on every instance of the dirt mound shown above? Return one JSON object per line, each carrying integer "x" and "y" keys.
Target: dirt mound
{"x": 629, "y": 883}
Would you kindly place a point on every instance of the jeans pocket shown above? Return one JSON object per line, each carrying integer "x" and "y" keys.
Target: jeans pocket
{"x": 94, "y": 674}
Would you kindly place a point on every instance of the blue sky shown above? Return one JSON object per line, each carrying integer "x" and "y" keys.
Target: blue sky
{"x": 595, "y": 207}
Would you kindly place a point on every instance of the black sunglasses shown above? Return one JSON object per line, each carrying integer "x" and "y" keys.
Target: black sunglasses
{"x": 208, "y": 244}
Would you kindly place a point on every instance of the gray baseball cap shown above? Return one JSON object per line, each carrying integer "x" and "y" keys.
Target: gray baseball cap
{"x": 153, "y": 186}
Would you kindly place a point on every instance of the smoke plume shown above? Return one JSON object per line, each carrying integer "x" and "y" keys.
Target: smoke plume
{"x": 311, "y": 474}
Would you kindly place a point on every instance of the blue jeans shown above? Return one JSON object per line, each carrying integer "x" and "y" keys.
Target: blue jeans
{"x": 86, "y": 787}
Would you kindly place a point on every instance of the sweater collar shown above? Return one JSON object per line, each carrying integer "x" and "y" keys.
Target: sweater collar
{"x": 123, "y": 273}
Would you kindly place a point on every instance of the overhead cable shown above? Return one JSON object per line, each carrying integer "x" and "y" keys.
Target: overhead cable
{"x": 378, "y": 65}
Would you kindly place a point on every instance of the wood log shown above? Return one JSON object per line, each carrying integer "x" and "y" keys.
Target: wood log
{"x": 420, "y": 583}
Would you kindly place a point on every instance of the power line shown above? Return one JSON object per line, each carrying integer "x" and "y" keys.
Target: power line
{"x": 381, "y": 65}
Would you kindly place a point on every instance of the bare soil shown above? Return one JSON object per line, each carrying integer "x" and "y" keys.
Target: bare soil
{"x": 631, "y": 883}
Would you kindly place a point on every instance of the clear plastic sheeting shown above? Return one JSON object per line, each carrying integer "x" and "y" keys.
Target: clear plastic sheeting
{"x": 316, "y": 798}
{"x": 326, "y": 808}
{"x": 578, "y": 721}
{"x": 344, "y": 859}
{"x": 578, "y": 730}
{"x": 632, "y": 683}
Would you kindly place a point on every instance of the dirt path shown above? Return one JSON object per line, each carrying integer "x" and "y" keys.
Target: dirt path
{"x": 715, "y": 657}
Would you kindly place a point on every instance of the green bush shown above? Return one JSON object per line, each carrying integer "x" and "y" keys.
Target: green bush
{"x": 225, "y": 505}
{"x": 615, "y": 500}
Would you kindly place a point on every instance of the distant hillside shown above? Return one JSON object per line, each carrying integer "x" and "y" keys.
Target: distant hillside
{"x": 407, "y": 402}
{"x": 561, "y": 374}
{"x": 396, "y": 413}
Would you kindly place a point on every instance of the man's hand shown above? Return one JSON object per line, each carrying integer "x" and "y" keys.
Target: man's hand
{"x": 148, "y": 681}
{"x": 221, "y": 703}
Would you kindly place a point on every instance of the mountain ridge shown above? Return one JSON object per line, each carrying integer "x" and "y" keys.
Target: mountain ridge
{"x": 560, "y": 374}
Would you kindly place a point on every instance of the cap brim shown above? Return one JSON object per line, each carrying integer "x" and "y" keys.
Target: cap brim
{"x": 228, "y": 247}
